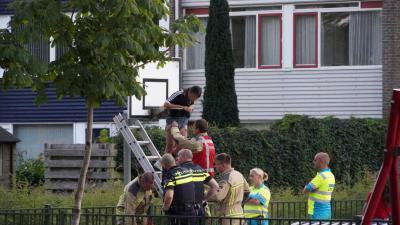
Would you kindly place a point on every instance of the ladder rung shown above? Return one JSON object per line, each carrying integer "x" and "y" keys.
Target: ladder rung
{"x": 152, "y": 158}
{"x": 134, "y": 127}
{"x": 141, "y": 143}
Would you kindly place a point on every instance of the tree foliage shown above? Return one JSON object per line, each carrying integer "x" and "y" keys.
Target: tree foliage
{"x": 220, "y": 100}
{"x": 286, "y": 151}
{"x": 105, "y": 42}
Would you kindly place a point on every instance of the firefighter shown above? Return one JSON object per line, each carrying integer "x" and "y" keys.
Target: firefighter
{"x": 233, "y": 188}
{"x": 179, "y": 192}
{"x": 320, "y": 189}
{"x": 136, "y": 199}
{"x": 202, "y": 145}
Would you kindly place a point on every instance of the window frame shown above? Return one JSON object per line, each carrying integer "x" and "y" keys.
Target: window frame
{"x": 259, "y": 41}
{"x": 317, "y": 45}
{"x": 288, "y": 62}
{"x": 333, "y": 10}
{"x": 200, "y": 13}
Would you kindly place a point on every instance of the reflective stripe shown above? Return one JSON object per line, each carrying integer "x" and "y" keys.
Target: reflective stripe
{"x": 233, "y": 195}
{"x": 180, "y": 180}
{"x": 234, "y": 215}
{"x": 205, "y": 142}
{"x": 312, "y": 186}
{"x": 184, "y": 181}
{"x": 210, "y": 170}
{"x": 262, "y": 198}
{"x": 322, "y": 175}
{"x": 254, "y": 211}
{"x": 319, "y": 200}
{"x": 324, "y": 192}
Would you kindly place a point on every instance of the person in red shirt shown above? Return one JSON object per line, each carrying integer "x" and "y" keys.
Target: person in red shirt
{"x": 383, "y": 211}
{"x": 202, "y": 145}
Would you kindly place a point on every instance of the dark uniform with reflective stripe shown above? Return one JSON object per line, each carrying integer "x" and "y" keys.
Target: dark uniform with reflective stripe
{"x": 180, "y": 180}
{"x": 200, "y": 177}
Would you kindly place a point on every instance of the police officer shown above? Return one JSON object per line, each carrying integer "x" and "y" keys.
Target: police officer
{"x": 179, "y": 192}
{"x": 320, "y": 188}
{"x": 200, "y": 177}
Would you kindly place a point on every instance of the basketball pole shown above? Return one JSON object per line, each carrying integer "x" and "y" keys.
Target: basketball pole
{"x": 389, "y": 167}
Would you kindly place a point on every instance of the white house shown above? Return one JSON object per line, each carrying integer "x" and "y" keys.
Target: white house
{"x": 313, "y": 57}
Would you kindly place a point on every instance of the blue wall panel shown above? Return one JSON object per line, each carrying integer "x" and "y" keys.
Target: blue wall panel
{"x": 5, "y": 10}
{"x": 19, "y": 106}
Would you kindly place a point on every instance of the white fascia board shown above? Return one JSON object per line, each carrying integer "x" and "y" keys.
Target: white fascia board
{"x": 206, "y": 3}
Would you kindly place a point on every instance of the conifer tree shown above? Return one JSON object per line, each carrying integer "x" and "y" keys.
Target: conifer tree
{"x": 220, "y": 100}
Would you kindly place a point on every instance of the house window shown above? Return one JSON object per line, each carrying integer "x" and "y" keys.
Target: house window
{"x": 98, "y": 133}
{"x": 305, "y": 40}
{"x": 243, "y": 30}
{"x": 345, "y": 37}
{"x": 244, "y": 41}
{"x": 270, "y": 41}
{"x": 195, "y": 54}
{"x": 353, "y": 38}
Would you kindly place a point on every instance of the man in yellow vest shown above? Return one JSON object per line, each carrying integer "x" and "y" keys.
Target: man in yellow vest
{"x": 232, "y": 190}
{"x": 320, "y": 189}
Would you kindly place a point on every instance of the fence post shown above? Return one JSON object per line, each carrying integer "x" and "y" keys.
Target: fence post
{"x": 63, "y": 216}
{"x": 47, "y": 214}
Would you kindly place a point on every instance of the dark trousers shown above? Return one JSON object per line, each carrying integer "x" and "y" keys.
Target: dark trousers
{"x": 185, "y": 215}
{"x": 200, "y": 213}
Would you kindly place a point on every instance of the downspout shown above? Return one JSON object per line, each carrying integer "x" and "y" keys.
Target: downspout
{"x": 176, "y": 17}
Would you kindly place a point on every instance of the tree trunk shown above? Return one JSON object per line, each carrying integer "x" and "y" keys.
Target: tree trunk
{"x": 76, "y": 214}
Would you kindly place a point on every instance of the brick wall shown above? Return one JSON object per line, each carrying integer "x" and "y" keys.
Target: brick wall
{"x": 391, "y": 51}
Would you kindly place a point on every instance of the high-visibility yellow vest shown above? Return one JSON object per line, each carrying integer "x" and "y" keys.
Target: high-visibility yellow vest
{"x": 320, "y": 188}
{"x": 263, "y": 195}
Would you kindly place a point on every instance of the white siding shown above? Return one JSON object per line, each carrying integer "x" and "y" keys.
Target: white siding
{"x": 201, "y": 3}
{"x": 268, "y": 95}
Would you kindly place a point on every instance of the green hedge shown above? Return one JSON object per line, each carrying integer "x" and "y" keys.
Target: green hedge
{"x": 287, "y": 150}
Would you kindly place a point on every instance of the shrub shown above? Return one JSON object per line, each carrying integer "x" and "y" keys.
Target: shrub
{"x": 30, "y": 172}
{"x": 103, "y": 137}
{"x": 286, "y": 151}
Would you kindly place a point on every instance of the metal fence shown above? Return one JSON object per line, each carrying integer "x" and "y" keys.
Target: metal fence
{"x": 341, "y": 209}
{"x": 279, "y": 210}
{"x": 49, "y": 217}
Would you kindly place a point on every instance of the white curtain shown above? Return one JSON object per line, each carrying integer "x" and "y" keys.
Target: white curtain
{"x": 250, "y": 42}
{"x": 270, "y": 40}
{"x": 305, "y": 40}
{"x": 365, "y": 38}
{"x": 195, "y": 54}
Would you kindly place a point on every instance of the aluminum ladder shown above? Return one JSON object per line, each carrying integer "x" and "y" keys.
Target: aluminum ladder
{"x": 146, "y": 161}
